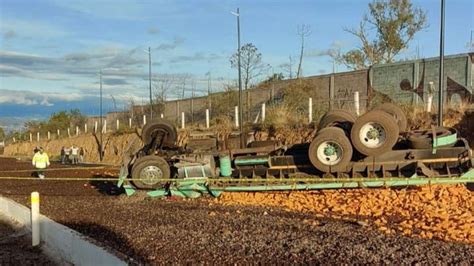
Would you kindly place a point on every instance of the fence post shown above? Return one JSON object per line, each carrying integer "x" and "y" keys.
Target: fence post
{"x": 356, "y": 103}
{"x": 182, "y": 120}
{"x": 77, "y": 131}
{"x": 263, "y": 112}
{"x": 104, "y": 129}
{"x": 31, "y": 137}
{"x": 236, "y": 114}
{"x": 118, "y": 124}
{"x": 85, "y": 128}
{"x": 14, "y": 140}
{"x": 429, "y": 103}
{"x": 207, "y": 118}
{"x": 59, "y": 132}
{"x": 130, "y": 122}
{"x": 95, "y": 127}
{"x": 49, "y": 135}
{"x": 37, "y": 136}
{"x": 35, "y": 219}
{"x": 144, "y": 119}
{"x": 161, "y": 115}
{"x": 68, "y": 132}
{"x": 310, "y": 109}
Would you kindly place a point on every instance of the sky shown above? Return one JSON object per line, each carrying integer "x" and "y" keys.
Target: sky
{"x": 51, "y": 51}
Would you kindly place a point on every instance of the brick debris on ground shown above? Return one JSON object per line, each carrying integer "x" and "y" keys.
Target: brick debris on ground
{"x": 149, "y": 230}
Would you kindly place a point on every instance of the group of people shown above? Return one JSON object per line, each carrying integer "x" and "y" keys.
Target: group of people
{"x": 73, "y": 154}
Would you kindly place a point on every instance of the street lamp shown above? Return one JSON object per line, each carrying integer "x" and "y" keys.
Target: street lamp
{"x": 149, "y": 79}
{"x": 100, "y": 88}
{"x": 441, "y": 68}
{"x": 237, "y": 14}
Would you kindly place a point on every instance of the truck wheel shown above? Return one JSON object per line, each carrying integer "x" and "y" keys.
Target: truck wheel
{"x": 342, "y": 118}
{"x": 161, "y": 126}
{"x": 330, "y": 150}
{"x": 395, "y": 111}
{"x": 150, "y": 169}
{"x": 374, "y": 133}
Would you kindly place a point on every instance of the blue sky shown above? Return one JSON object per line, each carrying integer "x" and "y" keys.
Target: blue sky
{"x": 52, "y": 50}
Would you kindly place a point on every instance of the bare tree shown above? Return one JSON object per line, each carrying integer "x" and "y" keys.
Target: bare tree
{"x": 251, "y": 63}
{"x": 303, "y": 31}
{"x": 288, "y": 67}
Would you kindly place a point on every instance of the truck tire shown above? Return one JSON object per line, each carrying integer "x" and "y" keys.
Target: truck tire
{"x": 423, "y": 139}
{"x": 374, "y": 133}
{"x": 150, "y": 168}
{"x": 339, "y": 117}
{"x": 330, "y": 151}
{"x": 162, "y": 125}
{"x": 397, "y": 112}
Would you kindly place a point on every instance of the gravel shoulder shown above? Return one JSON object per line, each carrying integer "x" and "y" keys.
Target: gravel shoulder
{"x": 156, "y": 231}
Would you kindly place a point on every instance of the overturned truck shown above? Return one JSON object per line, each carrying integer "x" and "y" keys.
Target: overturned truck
{"x": 371, "y": 150}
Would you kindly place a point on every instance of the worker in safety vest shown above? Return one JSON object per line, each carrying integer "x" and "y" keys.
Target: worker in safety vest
{"x": 41, "y": 162}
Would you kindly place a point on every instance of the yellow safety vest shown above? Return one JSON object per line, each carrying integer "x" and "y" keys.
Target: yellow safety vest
{"x": 40, "y": 161}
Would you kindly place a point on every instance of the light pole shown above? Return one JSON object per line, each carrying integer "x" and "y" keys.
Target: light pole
{"x": 149, "y": 80}
{"x": 237, "y": 14}
{"x": 100, "y": 88}
{"x": 441, "y": 68}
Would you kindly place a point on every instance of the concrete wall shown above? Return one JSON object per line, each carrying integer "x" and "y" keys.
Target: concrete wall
{"x": 337, "y": 90}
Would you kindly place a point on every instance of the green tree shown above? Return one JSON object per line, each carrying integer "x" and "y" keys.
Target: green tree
{"x": 2, "y": 134}
{"x": 383, "y": 33}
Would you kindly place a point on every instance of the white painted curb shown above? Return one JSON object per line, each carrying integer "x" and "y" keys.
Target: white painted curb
{"x": 59, "y": 240}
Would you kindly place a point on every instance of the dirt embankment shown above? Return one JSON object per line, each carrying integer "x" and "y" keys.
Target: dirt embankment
{"x": 115, "y": 145}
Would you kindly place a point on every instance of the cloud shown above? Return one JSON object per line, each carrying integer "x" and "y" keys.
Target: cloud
{"x": 199, "y": 56}
{"x": 9, "y": 35}
{"x": 331, "y": 51}
{"x": 153, "y": 30}
{"x": 170, "y": 46}
{"x": 23, "y": 98}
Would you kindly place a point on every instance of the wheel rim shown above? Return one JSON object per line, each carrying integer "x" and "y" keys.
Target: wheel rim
{"x": 329, "y": 153}
{"x": 372, "y": 135}
{"x": 151, "y": 174}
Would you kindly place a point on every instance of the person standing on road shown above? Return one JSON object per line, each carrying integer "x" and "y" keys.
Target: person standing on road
{"x": 67, "y": 154}
{"x": 74, "y": 154}
{"x": 40, "y": 162}
{"x": 81, "y": 155}
{"x": 63, "y": 155}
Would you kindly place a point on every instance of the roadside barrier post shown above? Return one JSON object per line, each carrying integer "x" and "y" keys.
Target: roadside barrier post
{"x": 59, "y": 132}
{"x": 118, "y": 124}
{"x": 31, "y": 137}
{"x": 144, "y": 119}
{"x": 310, "y": 110}
{"x": 182, "y": 120}
{"x": 130, "y": 122}
{"x": 104, "y": 129}
{"x": 49, "y": 135}
{"x": 35, "y": 219}
{"x": 356, "y": 102}
{"x": 263, "y": 112}
{"x": 37, "y": 136}
{"x": 95, "y": 127}
{"x": 85, "y": 128}
{"x": 207, "y": 118}
{"x": 236, "y": 115}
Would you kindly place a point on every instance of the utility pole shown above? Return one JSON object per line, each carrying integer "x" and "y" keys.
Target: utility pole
{"x": 441, "y": 68}
{"x": 101, "y": 146}
{"x": 149, "y": 79}
{"x": 237, "y": 14}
